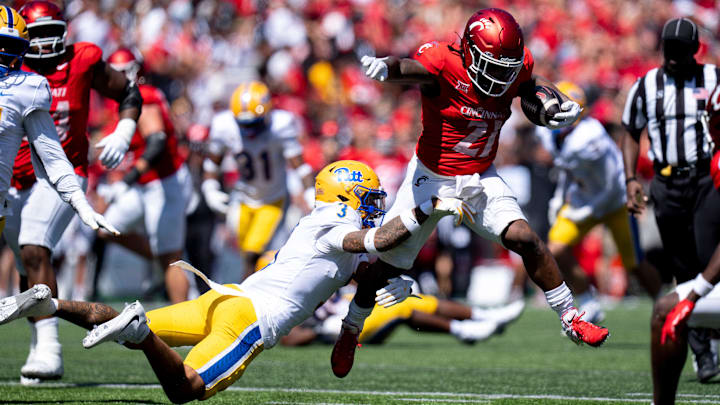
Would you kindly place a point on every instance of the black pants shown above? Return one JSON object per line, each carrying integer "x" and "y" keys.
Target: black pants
{"x": 687, "y": 211}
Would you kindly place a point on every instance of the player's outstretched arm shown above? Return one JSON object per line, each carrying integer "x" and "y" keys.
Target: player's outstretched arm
{"x": 400, "y": 228}
{"x": 113, "y": 84}
{"x": 396, "y": 70}
{"x": 54, "y": 166}
{"x": 702, "y": 285}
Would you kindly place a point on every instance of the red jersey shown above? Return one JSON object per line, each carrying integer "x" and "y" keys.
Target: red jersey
{"x": 460, "y": 125}
{"x": 70, "y": 87}
{"x": 169, "y": 160}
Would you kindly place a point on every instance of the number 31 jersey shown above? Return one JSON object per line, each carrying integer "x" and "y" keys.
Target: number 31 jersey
{"x": 261, "y": 159}
{"x": 460, "y": 125}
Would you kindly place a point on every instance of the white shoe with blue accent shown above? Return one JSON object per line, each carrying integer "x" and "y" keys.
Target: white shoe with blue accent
{"x": 129, "y": 326}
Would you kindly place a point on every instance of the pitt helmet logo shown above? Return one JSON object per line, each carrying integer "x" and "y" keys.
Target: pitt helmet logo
{"x": 343, "y": 175}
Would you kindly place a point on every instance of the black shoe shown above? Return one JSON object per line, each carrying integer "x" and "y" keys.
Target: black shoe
{"x": 707, "y": 369}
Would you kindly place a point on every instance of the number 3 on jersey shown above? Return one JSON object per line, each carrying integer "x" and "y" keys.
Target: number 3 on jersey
{"x": 480, "y": 129}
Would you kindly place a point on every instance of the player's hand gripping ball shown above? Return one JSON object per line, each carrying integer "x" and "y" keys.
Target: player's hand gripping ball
{"x": 541, "y": 106}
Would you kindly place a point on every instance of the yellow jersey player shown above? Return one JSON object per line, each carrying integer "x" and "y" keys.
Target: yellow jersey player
{"x": 263, "y": 141}
{"x": 24, "y": 104}
{"x": 590, "y": 192}
{"x": 231, "y": 324}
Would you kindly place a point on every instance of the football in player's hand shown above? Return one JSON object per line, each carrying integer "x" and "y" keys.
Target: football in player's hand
{"x": 540, "y": 106}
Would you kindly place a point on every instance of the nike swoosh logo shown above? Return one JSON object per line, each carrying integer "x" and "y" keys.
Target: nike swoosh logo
{"x": 62, "y": 66}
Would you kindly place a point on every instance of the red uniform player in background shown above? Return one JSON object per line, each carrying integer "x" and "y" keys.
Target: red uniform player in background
{"x": 39, "y": 215}
{"x": 467, "y": 91}
{"x": 154, "y": 193}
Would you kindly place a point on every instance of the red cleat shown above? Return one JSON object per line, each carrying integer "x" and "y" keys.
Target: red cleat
{"x": 343, "y": 353}
{"x": 589, "y": 333}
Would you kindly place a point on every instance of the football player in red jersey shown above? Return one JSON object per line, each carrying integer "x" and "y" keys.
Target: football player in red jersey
{"x": 157, "y": 188}
{"x": 466, "y": 96}
{"x": 39, "y": 215}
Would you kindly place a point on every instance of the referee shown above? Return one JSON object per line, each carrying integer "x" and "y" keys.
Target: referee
{"x": 669, "y": 100}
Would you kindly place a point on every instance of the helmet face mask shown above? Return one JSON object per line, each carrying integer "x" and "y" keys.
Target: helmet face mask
{"x": 493, "y": 77}
{"x": 493, "y": 51}
{"x": 47, "y": 39}
{"x": 372, "y": 205}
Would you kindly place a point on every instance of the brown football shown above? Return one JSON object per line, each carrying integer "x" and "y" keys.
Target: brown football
{"x": 541, "y": 106}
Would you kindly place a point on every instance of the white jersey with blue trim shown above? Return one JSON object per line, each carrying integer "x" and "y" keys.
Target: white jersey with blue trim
{"x": 21, "y": 93}
{"x": 261, "y": 158}
{"x": 307, "y": 270}
{"x": 593, "y": 167}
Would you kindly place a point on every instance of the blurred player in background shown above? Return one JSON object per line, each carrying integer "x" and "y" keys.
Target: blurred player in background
{"x": 424, "y": 313}
{"x": 263, "y": 141}
{"x": 155, "y": 191}
{"x": 39, "y": 215}
{"x": 231, "y": 324}
{"x": 590, "y": 191}
{"x": 467, "y": 92}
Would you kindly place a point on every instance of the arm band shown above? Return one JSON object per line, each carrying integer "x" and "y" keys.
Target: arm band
{"x": 210, "y": 167}
{"x": 629, "y": 179}
{"x": 132, "y": 98}
{"x": 408, "y": 219}
{"x": 369, "y": 241}
{"x": 701, "y": 286}
{"x": 154, "y": 146}
{"x": 560, "y": 298}
{"x": 303, "y": 170}
{"x": 132, "y": 176}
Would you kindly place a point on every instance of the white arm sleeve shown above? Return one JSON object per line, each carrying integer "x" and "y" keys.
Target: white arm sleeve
{"x": 49, "y": 159}
{"x": 333, "y": 240}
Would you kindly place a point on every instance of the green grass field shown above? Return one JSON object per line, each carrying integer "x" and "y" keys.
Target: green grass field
{"x": 529, "y": 364}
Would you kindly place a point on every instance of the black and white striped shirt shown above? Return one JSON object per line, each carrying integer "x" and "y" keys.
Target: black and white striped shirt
{"x": 672, "y": 112}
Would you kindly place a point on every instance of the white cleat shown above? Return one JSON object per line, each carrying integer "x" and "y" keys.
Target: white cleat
{"x": 129, "y": 326}
{"x": 36, "y": 301}
{"x": 471, "y": 331}
{"x": 45, "y": 363}
{"x": 593, "y": 311}
{"x": 502, "y": 315}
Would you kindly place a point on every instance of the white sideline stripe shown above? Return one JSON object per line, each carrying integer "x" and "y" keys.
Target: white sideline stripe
{"x": 647, "y": 394}
{"x": 454, "y": 401}
{"x": 378, "y": 393}
{"x": 309, "y": 403}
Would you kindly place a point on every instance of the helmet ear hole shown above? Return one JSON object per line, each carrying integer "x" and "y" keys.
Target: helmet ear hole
{"x": 343, "y": 198}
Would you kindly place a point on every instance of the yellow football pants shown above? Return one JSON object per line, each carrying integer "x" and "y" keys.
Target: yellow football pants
{"x": 256, "y": 225}
{"x": 569, "y": 233}
{"x": 223, "y": 330}
{"x": 382, "y": 320}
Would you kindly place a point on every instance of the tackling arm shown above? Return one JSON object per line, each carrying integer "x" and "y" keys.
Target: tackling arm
{"x": 400, "y": 228}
